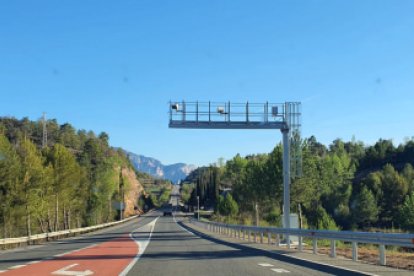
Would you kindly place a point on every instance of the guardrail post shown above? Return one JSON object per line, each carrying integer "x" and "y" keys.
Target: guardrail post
{"x": 261, "y": 237}
{"x": 255, "y": 236}
{"x": 269, "y": 238}
{"x": 277, "y": 240}
{"x": 248, "y": 237}
{"x": 333, "y": 249}
{"x": 238, "y": 234}
{"x": 244, "y": 234}
{"x": 300, "y": 246}
{"x": 354, "y": 251}
{"x": 315, "y": 246}
{"x": 383, "y": 258}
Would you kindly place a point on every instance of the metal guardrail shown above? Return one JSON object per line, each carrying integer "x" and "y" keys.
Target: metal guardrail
{"x": 247, "y": 232}
{"x": 36, "y": 237}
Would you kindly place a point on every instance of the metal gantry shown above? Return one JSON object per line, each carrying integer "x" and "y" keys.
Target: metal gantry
{"x": 227, "y": 115}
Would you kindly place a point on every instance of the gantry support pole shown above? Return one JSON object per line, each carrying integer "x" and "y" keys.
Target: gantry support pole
{"x": 286, "y": 172}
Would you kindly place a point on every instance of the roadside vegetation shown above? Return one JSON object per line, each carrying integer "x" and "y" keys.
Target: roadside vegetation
{"x": 158, "y": 193}
{"x": 75, "y": 180}
{"x": 346, "y": 185}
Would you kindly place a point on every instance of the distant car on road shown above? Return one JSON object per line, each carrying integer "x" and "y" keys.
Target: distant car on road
{"x": 167, "y": 210}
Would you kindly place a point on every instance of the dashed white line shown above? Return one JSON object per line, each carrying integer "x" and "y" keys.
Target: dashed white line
{"x": 266, "y": 265}
{"x": 280, "y": 270}
{"x": 33, "y": 262}
{"x": 17, "y": 266}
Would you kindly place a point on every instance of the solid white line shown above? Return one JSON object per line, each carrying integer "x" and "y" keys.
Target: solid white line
{"x": 183, "y": 227}
{"x": 311, "y": 261}
{"x": 266, "y": 265}
{"x": 17, "y": 266}
{"x": 330, "y": 265}
{"x": 280, "y": 270}
{"x": 142, "y": 245}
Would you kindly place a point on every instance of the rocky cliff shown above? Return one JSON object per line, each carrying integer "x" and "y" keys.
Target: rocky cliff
{"x": 154, "y": 167}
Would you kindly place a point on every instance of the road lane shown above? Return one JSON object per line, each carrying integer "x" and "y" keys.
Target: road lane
{"x": 106, "y": 252}
{"x": 174, "y": 250}
{"x": 171, "y": 249}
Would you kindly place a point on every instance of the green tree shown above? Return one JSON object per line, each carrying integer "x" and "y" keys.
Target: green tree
{"x": 395, "y": 188}
{"x": 365, "y": 210}
{"x": 227, "y": 206}
{"x": 30, "y": 178}
{"x": 407, "y": 213}
{"x": 66, "y": 180}
{"x": 9, "y": 174}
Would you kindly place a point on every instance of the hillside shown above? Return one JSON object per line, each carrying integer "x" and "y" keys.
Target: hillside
{"x": 75, "y": 179}
{"x": 155, "y": 168}
{"x": 345, "y": 185}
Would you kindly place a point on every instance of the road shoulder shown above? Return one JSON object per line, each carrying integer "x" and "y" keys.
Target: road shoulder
{"x": 342, "y": 263}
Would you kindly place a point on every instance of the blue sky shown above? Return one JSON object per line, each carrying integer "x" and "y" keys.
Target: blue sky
{"x": 113, "y": 66}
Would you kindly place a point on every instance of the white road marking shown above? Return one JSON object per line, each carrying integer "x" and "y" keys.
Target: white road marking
{"x": 65, "y": 271}
{"x": 182, "y": 227}
{"x": 142, "y": 245}
{"x": 33, "y": 262}
{"x": 2, "y": 271}
{"x": 17, "y": 266}
{"x": 330, "y": 265}
{"x": 266, "y": 265}
{"x": 280, "y": 270}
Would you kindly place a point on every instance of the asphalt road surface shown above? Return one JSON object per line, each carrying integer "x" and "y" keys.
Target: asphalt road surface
{"x": 152, "y": 245}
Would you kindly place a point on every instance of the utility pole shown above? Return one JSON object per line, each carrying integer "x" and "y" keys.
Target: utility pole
{"x": 256, "y": 208}
{"x": 44, "y": 140}
{"x": 198, "y": 208}
{"x": 121, "y": 202}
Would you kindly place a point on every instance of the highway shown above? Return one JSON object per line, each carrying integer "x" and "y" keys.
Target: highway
{"x": 152, "y": 245}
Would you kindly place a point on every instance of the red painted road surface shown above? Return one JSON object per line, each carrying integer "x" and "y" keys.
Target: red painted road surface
{"x": 108, "y": 258}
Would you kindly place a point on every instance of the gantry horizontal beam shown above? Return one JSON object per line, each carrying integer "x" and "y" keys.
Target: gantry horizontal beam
{"x": 226, "y": 125}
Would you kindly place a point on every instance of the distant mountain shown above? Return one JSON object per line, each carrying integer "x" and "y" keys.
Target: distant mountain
{"x": 154, "y": 167}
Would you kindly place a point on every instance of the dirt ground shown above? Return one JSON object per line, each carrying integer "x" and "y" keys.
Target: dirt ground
{"x": 395, "y": 259}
